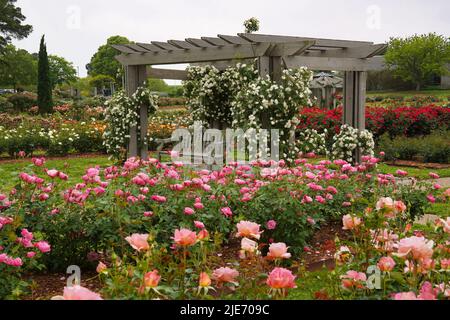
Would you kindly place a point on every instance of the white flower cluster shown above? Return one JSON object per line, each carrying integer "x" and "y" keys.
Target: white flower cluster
{"x": 251, "y": 25}
{"x": 122, "y": 113}
{"x": 348, "y": 140}
{"x": 240, "y": 98}
{"x": 309, "y": 140}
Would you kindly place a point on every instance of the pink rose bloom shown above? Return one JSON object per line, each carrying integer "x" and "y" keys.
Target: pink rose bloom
{"x": 43, "y": 196}
{"x": 386, "y": 264}
{"x": 80, "y": 293}
{"x": 402, "y": 173}
{"x": 248, "y": 245}
{"x": 185, "y": 238}
{"x": 227, "y": 212}
{"x": 63, "y": 176}
{"x": 350, "y": 222}
{"x": 199, "y": 225}
{"x": 248, "y": 229}
{"x": 224, "y": 275}
{"x": 31, "y": 254}
{"x": 434, "y": 175}
{"x": 281, "y": 278}
{"x": 101, "y": 267}
{"x": 148, "y": 214}
{"x": 427, "y": 292}
{"x": 271, "y": 225}
{"x": 38, "y": 162}
{"x": 92, "y": 172}
{"x": 52, "y": 173}
{"x": 199, "y": 206}
{"x": 138, "y": 242}
{"x": 385, "y": 203}
{"x": 418, "y": 247}
{"x": 151, "y": 279}
{"x": 431, "y": 199}
{"x": 307, "y": 199}
{"x": 405, "y": 296}
{"x": 399, "y": 206}
{"x": 189, "y": 211}
{"x": 43, "y": 246}
{"x": 278, "y": 251}
{"x": 447, "y": 193}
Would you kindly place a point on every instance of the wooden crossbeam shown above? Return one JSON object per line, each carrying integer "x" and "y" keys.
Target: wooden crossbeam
{"x": 149, "y": 47}
{"x": 123, "y": 48}
{"x": 200, "y": 43}
{"x": 289, "y": 49}
{"x": 233, "y": 39}
{"x": 182, "y": 44}
{"x": 196, "y": 55}
{"x": 326, "y": 43}
{"x": 138, "y": 48}
{"x": 215, "y": 41}
{"x": 167, "y": 74}
{"x": 165, "y": 46}
{"x": 363, "y": 52}
{"x": 335, "y": 64}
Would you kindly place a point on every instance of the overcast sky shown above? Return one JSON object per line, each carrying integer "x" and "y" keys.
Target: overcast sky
{"x": 75, "y": 29}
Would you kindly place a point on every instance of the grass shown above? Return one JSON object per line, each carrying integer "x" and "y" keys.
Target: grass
{"x": 308, "y": 284}
{"x": 73, "y": 167}
{"x": 418, "y": 173}
{"x": 440, "y": 209}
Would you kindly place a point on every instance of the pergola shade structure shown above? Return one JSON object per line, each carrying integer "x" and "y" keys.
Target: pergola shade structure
{"x": 274, "y": 53}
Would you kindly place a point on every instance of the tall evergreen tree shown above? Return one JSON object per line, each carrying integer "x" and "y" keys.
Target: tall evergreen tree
{"x": 11, "y": 26}
{"x": 45, "y": 102}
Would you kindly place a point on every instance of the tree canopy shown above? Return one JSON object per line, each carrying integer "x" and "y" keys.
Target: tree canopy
{"x": 11, "y": 26}
{"x": 103, "y": 61}
{"x": 18, "y": 68}
{"x": 45, "y": 102}
{"x": 419, "y": 57}
{"x": 61, "y": 71}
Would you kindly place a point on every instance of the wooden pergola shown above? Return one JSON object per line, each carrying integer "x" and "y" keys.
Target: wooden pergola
{"x": 273, "y": 53}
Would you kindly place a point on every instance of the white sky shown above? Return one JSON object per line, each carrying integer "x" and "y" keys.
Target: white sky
{"x": 75, "y": 29}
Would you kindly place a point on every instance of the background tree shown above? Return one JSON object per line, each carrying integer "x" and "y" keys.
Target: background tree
{"x": 61, "y": 71}
{"x": 419, "y": 57}
{"x": 103, "y": 61}
{"x": 158, "y": 85}
{"x": 45, "y": 102}
{"x": 18, "y": 69}
{"x": 251, "y": 25}
{"x": 11, "y": 26}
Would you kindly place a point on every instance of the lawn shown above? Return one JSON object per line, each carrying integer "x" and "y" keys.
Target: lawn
{"x": 418, "y": 173}
{"x": 74, "y": 167}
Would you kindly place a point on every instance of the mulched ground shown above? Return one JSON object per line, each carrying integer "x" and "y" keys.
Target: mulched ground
{"x": 320, "y": 253}
{"x": 46, "y": 286}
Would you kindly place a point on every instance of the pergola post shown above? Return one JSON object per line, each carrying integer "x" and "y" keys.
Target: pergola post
{"x": 355, "y": 102}
{"x": 135, "y": 76}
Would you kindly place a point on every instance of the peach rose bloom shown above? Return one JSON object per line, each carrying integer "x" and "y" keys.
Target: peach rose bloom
{"x": 225, "y": 275}
{"x": 204, "y": 281}
{"x": 353, "y": 279}
{"x": 350, "y": 222}
{"x": 386, "y": 264}
{"x": 139, "y": 242}
{"x": 101, "y": 267}
{"x": 79, "y": 293}
{"x": 418, "y": 247}
{"x": 151, "y": 279}
{"x": 281, "y": 278}
{"x": 278, "y": 251}
{"x": 385, "y": 203}
{"x": 248, "y": 229}
{"x": 445, "y": 224}
{"x": 185, "y": 237}
{"x": 248, "y": 245}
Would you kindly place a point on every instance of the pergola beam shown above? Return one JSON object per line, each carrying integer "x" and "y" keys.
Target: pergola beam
{"x": 195, "y": 55}
{"x": 363, "y": 52}
{"x": 167, "y": 74}
{"x": 335, "y": 64}
{"x": 289, "y": 49}
{"x": 326, "y": 43}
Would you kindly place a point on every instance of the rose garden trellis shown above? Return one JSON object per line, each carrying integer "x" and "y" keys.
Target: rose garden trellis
{"x": 273, "y": 53}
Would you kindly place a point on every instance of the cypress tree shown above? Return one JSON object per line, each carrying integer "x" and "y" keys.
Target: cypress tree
{"x": 45, "y": 102}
